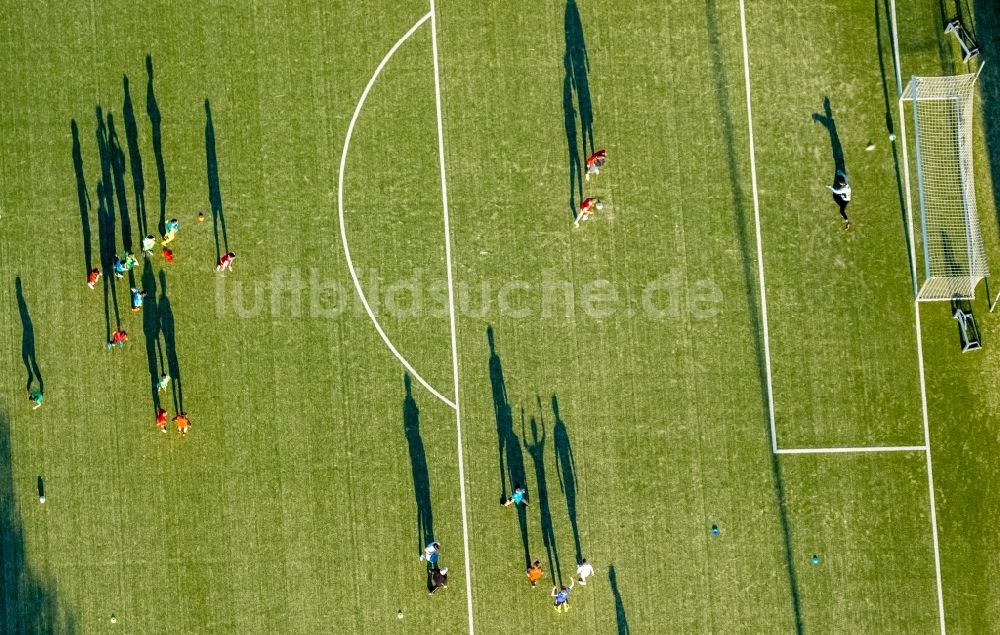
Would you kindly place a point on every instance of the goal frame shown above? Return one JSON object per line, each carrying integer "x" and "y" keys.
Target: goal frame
{"x": 936, "y": 288}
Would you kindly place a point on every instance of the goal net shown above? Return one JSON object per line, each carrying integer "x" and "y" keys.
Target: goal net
{"x": 954, "y": 257}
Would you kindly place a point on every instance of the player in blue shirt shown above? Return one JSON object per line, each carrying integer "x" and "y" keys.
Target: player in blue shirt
{"x": 432, "y": 552}
{"x": 137, "y": 297}
{"x": 518, "y": 497}
{"x": 171, "y": 230}
{"x": 561, "y": 596}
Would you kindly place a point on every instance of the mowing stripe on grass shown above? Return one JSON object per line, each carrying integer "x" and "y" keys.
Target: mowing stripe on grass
{"x": 451, "y": 315}
{"x": 916, "y": 322}
{"x": 343, "y": 228}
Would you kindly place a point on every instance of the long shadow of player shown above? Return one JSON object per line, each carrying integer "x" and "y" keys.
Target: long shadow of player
{"x": 831, "y": 127}
{"x": 135, "y": 159}
{"x": 573, "y": 148}
{"x": 155, "y": 120}
{"x": 566, "y": 469}
{"x": 418, "y": 466}
{"x": 576, "y": 84}
{"x": 620, "y": 618}
{"x": 214, "y": 190}
{"x": 28, "y": 340}
{"x": 106, "y": 242}
{"x": 536, "y": 450}
{"x": 508, "y": 445}
{"x": 151, "y": 330}
{"x": 166, "y": 316}
{"x": 83, "y": 196}
{"x": 117, "y": 158}
{"x": 112, "y": 172}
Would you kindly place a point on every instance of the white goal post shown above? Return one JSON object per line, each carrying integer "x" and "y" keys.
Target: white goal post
{"x": 954, "y": 256}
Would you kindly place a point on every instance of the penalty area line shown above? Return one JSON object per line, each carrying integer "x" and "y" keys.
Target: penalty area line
{"x": 860, "y": 450}
{"x": 756, "y": 222}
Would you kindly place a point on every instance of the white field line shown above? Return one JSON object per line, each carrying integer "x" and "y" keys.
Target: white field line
{"x": 756, "y": 220}
{"x": 451, "y": 316}
{"x": 343, "y": 228}
{"x": 886, "y": 448}
{"x": 916, "y": 323}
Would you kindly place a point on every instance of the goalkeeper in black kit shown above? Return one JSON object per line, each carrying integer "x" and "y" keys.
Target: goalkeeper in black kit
{"x": 841, "y": 195}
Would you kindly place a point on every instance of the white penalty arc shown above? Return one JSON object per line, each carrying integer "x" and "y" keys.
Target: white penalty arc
{"x": 343, "y": 228}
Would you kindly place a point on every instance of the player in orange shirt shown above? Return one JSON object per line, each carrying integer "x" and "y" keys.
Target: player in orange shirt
{"x": 595, "y": 162}
{"x": 183, "y": 423}
{"x": 587, "y": 207}
{"x": 161, "y": 420}
{"x": 535, "y": 573}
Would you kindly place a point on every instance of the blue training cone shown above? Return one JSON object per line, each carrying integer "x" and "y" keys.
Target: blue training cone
{"x": 814, "y": 559}
{"x": 715, "y": 530}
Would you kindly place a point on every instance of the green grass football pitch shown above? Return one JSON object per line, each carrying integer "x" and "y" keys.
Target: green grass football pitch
{"x": 623, "y": 371}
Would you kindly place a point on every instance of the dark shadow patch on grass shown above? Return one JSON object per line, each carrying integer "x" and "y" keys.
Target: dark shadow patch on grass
{"x": 28, "y": 355}
{"x": 621, "y": 619}
{"x": 27, "y": 603}
{"x": 83, "y": 197}
{"x": 214, "y": 189}
{"x": 167, "y": 329}
{"x": 566, "y": 469}
{"x": 156, "y": 122}
{"x": 135, "y": 158}
{"x": 987, "y": 32}
{"x": 724, "y": 110}
{"x": 418, "y": 466}
{"x": 508, "y": 445}
{"x": 536, "y": 450}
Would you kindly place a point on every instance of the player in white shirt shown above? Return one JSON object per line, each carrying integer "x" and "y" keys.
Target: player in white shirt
{"x": 584, "y": 570}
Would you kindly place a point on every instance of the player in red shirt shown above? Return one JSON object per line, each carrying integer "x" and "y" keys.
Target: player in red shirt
{"x": 587, "y": 207}
{"x": 595, "y": 162}
{"x": 93, "y": 277}
{"x": 118, "y": 338}
{"x": 225, "y": 262}
{"x": 161, "y": 420}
